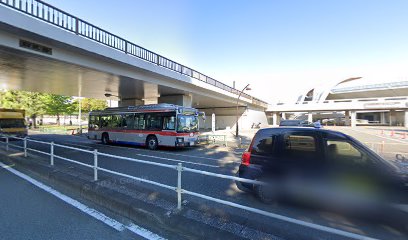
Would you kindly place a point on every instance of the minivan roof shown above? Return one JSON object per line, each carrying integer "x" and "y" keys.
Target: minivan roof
{"x": 283, "y": 129}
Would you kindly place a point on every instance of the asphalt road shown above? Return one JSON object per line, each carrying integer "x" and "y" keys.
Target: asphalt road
{"x": 29, "y": 212}
{"x": 217, "y": 160}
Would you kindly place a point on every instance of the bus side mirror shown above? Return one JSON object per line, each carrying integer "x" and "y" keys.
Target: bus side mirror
{"x": 202, "y": 114}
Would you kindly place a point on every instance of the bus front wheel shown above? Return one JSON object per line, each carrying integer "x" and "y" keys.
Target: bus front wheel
{"x": 151, "y": 142}
{"x": 105, "y": 138}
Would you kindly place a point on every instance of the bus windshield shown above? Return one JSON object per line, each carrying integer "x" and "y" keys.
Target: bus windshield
{"x": 12, "y": 123}
{"x": 187, "y": 123}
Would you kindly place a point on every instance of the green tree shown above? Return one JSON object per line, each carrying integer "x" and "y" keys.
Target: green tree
{"x": 31, "y": 102}
{"x": 92, "y": 104}
{"x": 57, "y": 105}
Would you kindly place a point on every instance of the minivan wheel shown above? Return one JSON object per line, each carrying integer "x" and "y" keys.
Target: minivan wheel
{"x": 105, "y": 138}
{"x": 151, "y": 143}
{"x": 265, "y": 193}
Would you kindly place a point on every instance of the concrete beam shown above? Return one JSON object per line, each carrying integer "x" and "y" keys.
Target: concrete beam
{"x": 353, "y": 118}
{"x": 310, "y": 117}
{"x": 347, "y": 118}
{"x": 274, "y": 119}
{"x": 406, "y": 118}
{"x": 182, "y": 100}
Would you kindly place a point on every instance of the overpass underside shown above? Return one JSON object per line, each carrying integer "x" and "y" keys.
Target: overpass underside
{"x": 40, "y": 57}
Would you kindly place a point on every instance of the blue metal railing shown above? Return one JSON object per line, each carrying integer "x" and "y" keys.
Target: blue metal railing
{"x": 57, "y": 17}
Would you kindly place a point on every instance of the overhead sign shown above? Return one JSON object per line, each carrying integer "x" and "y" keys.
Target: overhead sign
{"x": 383, "y": 105}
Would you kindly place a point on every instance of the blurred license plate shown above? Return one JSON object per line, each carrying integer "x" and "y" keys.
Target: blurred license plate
{"x": 191, "y": 143}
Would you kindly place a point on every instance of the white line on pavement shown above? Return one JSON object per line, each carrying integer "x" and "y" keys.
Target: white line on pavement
{"x": 169, "y": 153}
{"x": 176, "y": 160}
{"x": 90, "y": 211}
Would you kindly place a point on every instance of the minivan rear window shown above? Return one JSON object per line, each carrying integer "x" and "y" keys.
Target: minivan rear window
{"x": 263, "y": 144}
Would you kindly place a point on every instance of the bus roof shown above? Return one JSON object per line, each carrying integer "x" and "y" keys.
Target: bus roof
{"x": 162, "y": 107}
{"x": 12, "y": 113}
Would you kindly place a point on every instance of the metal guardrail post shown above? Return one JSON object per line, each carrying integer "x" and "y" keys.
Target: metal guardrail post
{"x": 76, "y": 26}
{"x": 7, "y": 143}
{"x": 52, "y": 154}
{"x": 96, "y": 165}
{"x": 178, "y": 190}
{"x": 25, "y": 147}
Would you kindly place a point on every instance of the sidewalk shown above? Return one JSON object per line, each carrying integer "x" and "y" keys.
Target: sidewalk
{"x": 245, "y": 137}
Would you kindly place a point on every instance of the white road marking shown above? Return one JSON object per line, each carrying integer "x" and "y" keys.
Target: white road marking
{"x": 143, "y": 232}
{"x": 169, "y": 153}
{"x": 176, "y": 160}
{"x": 90, "y": 211}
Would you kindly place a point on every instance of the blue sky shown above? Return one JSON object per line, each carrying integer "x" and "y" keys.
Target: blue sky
{"x": 278, "y": 46}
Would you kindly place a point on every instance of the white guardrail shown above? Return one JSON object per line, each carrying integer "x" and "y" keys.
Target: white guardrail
{"x": 178, "y": 189}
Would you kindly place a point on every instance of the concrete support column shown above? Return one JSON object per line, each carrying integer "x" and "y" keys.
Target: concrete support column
{"x": 353, "y": 118}
{"x": 310, "y": 117}
{"x": 284, "y": 116}
{"x": 130, "y": 102}
{"x": 392, "y": 117}
{"x": 182, "y": 100}
{"x": 347, "y": 118}
{"x": 382, "y": 118}
{"x": 274, "y": 119}
{"x": 150, "y": 93}
{"x": 406, "y": 118}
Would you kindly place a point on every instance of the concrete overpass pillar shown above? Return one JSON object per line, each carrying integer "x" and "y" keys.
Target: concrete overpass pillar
{"x": 310, "y": 117}
{"x": 274, "y": 119}
{"x": 347, "y": 118}
{"x": 406, "y": 118}
{"x": 392, "y": 117}
{"x": 353, "y": 118}
{"x": 130, "y": 102}
{"x": 382, "y": 118}
{"x": 150, "y": 93}
{"x": 182, "y": 100}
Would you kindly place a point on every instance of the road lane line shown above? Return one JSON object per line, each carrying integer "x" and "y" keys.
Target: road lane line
{"x": 143, "y": 232}
{"x": 85, "y": 209}
{"x": 176, "y": 160}
{"x": 169, "y": 153}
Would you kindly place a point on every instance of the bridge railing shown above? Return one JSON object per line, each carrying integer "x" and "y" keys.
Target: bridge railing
{"x": 62, "y": 19}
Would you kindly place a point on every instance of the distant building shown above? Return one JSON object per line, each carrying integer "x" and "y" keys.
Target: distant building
{"x": 336, "y": 103}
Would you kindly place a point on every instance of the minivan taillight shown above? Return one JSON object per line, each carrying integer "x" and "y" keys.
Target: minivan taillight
{"x": 246, "y": 158}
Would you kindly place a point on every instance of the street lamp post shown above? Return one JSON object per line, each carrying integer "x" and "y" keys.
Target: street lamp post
{"x": 108, "y": 95}
{"x": 237, "y": 116}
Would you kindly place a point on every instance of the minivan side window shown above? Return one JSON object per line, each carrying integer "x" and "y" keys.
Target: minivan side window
{"x": 300, "y": 146}
{"x": 263, "y": 144}
{"x": 345, "y": 153}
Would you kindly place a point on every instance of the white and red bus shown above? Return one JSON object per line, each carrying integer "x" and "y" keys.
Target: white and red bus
{"x": 148, "y": 125}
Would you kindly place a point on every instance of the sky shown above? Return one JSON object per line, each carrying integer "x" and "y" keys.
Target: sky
{"x": 279, "y": 47}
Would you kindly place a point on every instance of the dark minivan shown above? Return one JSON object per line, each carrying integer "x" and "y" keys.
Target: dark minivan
{"x": 320, "y": 166}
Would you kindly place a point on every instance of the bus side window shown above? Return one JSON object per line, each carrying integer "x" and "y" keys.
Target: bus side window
{"x": 91, "y": 121}
{"x": 139, "y": 120}
{"x": 96, "y": 123}
{"x": 105, "y": 120}
{"x": 169, "y": 122}
{"x": 128, "y": 121}
{"x": 153, "y": 121}
{"x": 115, "y": 121}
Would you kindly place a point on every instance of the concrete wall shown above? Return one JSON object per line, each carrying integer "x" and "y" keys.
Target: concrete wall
{"x": 226, "y": 118}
